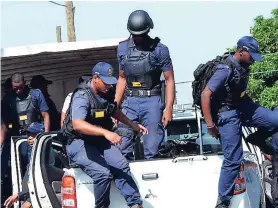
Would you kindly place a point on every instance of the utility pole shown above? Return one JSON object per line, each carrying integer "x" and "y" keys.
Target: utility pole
{"x": 70, "y": 21}
{"x": 58, "y": 34}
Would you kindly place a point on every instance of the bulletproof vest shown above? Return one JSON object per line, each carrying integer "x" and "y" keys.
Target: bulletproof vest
{"x": 99, "y": 114}
{"x": 23, "y": 112}
{"x": 237, "y": 82}
{"x": 140, "y": 71}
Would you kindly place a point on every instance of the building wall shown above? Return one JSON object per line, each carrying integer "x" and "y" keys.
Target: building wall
{"x": 63, "y": 68}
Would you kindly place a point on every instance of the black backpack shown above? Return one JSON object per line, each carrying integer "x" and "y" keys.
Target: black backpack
{"x": 202, "y": 75}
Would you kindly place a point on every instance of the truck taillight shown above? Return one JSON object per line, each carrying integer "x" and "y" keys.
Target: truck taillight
{"x": 240, "y": 186}
{"x": 68, "y": 192}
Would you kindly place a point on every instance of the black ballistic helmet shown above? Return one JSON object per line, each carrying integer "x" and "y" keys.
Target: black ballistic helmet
{"x": 139, "y": 22}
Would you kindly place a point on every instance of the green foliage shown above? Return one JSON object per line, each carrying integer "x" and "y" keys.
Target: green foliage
{"x": 263, "y": 85}
{"x": 268, "y": 97}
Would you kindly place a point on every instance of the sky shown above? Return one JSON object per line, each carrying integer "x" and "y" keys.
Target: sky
{"x": 194, "y": 31}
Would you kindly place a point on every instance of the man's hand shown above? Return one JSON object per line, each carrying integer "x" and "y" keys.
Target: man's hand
{"x": 115, "y": 121}
{"x": 11, "y": 200}
{"x": 167, "y": 116}
{"x": 213, "y": 131}
{"x": 141, "y": 129}
{"x": 30, "y": 141}
{"x": 113, "y": 137}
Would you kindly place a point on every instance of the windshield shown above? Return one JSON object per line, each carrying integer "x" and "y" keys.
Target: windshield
{"x": 187, "y": 130}
{"x": 182, "y": 129}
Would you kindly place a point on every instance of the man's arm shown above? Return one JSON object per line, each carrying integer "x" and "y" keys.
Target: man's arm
{"x": 46, "y": 121}
{"x": 165, "y": 62}
{"x": 120, "y": 88}
{"x": 3, "y": 133}
{"x": 170, "y": 90}
{"x": 79, "y": 110}
{"x": 216, "y": 82}
{"x": 84, "y": 127}
{"x": 43, "y": 108}
{"x": 121, "y": 85}
{"x": 206, "y": 106}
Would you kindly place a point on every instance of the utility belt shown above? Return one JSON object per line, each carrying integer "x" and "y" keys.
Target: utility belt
{"x": 142, "y": 93}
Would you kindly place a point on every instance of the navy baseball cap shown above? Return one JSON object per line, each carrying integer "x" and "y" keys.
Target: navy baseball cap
{"x": 38, "y": 81}
{"x": 35, "y": 128}
{"x": 251, "y": 45}
{"x": 105, "y": 72}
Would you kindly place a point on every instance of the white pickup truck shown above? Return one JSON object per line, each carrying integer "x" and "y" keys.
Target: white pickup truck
{"x": 189, "y": 180}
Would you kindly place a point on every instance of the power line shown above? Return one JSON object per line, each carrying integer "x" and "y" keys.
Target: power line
{"x": 53, "y": 2}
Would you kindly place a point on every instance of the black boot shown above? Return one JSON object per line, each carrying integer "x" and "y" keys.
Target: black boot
{"x": 222, "y": 204}
{"x": 258, "y": 138}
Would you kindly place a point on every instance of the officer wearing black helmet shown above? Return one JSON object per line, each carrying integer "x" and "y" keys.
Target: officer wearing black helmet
{"x": 142, "y": 60}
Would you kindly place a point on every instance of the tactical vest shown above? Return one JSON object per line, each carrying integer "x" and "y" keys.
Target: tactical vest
{"x": 23, "y": 112}
{"x": 237, "y": 83}
{"x": 139, "y": 70}
{"x": 99, "y": 114}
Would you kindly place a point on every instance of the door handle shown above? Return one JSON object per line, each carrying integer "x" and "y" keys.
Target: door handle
{"x": 149, "y": 176}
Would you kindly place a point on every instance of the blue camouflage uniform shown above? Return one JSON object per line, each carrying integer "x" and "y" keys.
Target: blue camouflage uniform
{"x": 235, "y": 109}
{"x": 143, "y": 104}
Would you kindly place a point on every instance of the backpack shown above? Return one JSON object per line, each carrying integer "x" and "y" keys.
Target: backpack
{"x": 202, "y": 75}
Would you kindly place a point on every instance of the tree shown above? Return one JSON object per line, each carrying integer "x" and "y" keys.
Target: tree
{"x": 263, "y": 85}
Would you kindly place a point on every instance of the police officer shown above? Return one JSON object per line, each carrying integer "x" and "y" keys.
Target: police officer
{"x": 90, "y": 141}
{"x": 142, "y": 61}
{"x": 24, "y": 106}
{"x": 225, "y": 94}
{"x": 41, "y": 83}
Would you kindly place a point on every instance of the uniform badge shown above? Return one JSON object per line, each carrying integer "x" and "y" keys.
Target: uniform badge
{"x": 110, "y": 72}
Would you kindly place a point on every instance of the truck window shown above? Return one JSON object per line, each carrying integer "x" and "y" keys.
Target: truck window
{"x": 182, "y": 129}
{"x": 187, "y": 129}
{"x": 182, "y": 137}
{"x": 211, "y": 145}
